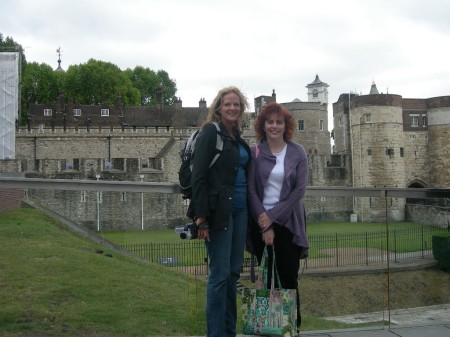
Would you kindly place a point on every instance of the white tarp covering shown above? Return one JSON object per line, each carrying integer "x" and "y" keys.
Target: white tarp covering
{"x": 9, "y": 103}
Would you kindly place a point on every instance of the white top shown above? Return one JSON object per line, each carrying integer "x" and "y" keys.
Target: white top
{"x": 272, "y": 188}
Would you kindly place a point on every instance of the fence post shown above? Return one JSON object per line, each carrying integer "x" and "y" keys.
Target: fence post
{"x": 367, "y": 250}
{"x": 337, "y": 251}
{"x": 422, "y": 239}
{"x": 395, "y": 245}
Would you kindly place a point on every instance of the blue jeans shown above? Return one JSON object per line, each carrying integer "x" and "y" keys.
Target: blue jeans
{"x": 225, "y": 252}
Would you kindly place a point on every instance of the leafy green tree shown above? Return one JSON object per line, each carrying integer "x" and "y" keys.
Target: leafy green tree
{"x": 168, "y": 87}
{"x": 149, "y": 83}
{"x": 146, "y": 81}
{"x": 39, "y": 84}
{"x": 99, "y": 82}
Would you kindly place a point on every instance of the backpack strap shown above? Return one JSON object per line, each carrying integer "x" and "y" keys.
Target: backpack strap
{"x": 219, "y": 144}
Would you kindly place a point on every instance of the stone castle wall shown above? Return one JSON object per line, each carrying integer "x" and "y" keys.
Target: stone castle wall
{"x": 125, "y": 156}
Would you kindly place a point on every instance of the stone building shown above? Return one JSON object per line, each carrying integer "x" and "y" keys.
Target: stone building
{"x": 393, "y": 142}
{"x": 380, "y": 140}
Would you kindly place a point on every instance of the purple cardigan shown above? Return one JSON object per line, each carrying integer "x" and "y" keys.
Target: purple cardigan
{"x": 289, "y": 211}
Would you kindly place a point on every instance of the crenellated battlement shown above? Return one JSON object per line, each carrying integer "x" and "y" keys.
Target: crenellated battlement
{"x": 114, "y": 131}
{"x": 146, "y": 131}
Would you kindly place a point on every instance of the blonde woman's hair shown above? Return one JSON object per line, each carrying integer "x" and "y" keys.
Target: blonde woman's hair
{"x": 214, "y": 109}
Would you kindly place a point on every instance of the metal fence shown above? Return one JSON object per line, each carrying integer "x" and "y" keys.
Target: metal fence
{"x": 327, "y": 251}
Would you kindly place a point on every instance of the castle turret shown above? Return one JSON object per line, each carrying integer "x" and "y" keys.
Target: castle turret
{"x": 373, "y": 89}
{"x": 317, "y": 91}
{"x": 376, "y": 139}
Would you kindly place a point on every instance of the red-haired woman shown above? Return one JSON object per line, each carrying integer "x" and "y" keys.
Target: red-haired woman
{"x": 277, "y": 181}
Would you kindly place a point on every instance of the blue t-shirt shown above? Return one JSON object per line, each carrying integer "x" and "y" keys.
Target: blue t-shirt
{"x": 240, "y": 189}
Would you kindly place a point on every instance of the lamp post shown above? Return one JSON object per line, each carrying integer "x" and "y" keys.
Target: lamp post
{"x": 98, "y": 205}
{"x": 142, "y": 204}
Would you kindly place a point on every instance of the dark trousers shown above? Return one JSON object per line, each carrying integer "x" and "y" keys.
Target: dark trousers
{"x": 287, "y": 258}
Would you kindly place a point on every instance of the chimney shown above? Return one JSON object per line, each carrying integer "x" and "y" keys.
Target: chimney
{"x": 159, "y": 98}
{"x": 178, "y": 103}
{"x": 202, "y": 103}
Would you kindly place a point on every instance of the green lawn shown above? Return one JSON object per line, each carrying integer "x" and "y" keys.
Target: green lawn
{"x": 403, "y": 237}
{"x": 323, "y": 228}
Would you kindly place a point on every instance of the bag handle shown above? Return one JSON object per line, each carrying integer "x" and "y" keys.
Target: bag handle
{"x": 264, "y": 267}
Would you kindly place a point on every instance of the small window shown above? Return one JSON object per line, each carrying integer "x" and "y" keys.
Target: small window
{"x": 321, "y": 125}
{"x": 83, "y": 196}
{"x": 47, "y": 112}
{"x": 77, "y": 112}
{"x": 390, "y": 152}
{"x": 415, "y": 121}
{"x": 123, "y": 196}
{"x": 369, "y": 152}
{"x": 368, "y": 118}
{"x": 155, "y": 163}
{"x": 402, "y": 152}
{"x": 315, "y": 93}
{"x": 301, "y": 125}
{"x": 104, "y": 112}
{"x": 340, "y": 121}
{"x": 424, "y": 122}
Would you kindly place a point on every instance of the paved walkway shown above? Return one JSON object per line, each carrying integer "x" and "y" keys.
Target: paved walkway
{"x": 433, "y": 321}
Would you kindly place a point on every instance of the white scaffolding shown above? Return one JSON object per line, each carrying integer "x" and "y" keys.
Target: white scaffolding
{"x": 9, "y": 103}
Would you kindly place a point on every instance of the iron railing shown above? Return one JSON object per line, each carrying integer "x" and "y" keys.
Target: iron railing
{"x": 328, "y": 251}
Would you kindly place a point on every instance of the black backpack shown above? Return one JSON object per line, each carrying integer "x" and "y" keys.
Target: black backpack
{"x": 187, "y": 154}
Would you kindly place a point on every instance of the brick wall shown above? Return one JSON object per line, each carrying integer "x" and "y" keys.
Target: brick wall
{"x": 10, "y": 199}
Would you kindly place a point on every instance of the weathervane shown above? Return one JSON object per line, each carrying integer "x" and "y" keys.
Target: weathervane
{"x": 59, "y": 58}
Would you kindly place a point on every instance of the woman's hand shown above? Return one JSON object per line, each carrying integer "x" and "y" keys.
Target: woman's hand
{"x": 268, "y": 237}
{"x": 264, "y": 221}
{"x": 204, "y": 232}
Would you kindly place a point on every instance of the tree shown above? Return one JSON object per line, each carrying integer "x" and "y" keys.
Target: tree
{"x": 168, "y": 87}
{"x": 146, "y": 81}
{"x": 39, "y": 84}
{"x": 99, "y": 82}
{"x": 149, "y": 83}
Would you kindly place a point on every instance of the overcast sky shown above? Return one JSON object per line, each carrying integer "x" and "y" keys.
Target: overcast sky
{"x": 257, "y": 45}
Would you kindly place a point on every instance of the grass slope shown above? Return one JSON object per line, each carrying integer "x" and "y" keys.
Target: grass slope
{"x": 54, "y": 283}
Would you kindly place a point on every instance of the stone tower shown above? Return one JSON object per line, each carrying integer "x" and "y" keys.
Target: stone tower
{"x": 376, "y": 140}
{"x": 438, "y": 140}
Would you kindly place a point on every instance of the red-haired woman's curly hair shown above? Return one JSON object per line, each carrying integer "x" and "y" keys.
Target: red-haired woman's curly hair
{"x": 274, "y": 108}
